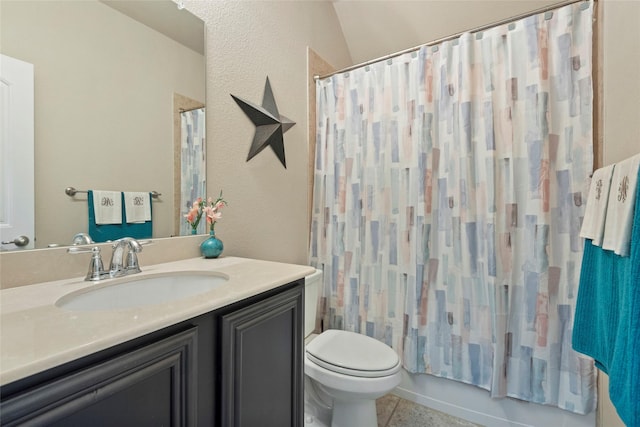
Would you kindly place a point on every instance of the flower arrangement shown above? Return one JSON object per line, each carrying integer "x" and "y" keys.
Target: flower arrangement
{"x": 211, "y": 209}
{"x": 195, "y": 214}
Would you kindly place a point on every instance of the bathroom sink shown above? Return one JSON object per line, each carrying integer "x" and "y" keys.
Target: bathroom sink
{"x": 131, "y": 292}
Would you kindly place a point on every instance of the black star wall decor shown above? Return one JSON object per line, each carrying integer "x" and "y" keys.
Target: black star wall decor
{"x": 270, "y": 125}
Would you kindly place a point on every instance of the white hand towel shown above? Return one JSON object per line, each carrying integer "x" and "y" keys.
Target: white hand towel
{"x": 622, "y": 199}
{"x": 137, "y": 206}
{"x": 596, "y": 212}
{"x": 107, "y": 207}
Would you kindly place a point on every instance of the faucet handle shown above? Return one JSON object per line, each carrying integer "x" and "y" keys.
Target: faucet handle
{"x": 132, "y": 265}
{"x": 96, "y": 267}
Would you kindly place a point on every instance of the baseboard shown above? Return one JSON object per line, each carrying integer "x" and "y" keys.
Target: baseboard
{"x": 455, "y": 410}
{"x": 476, "y": 405}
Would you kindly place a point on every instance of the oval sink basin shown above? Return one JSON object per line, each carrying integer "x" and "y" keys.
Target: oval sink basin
{"x": 131, "y": 292}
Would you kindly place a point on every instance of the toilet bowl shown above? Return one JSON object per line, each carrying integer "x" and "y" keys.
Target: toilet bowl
{"x": 345, "y": 372}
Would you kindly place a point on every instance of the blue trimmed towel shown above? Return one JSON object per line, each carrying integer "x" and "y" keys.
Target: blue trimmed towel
{"x": 596, "y": 213}
{"x": 137, "y": 207}
{"x": 607, "y": 318}
{"x": 106, "y": 232}
{"x": 620, "y": 207}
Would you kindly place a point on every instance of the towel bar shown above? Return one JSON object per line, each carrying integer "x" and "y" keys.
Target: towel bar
{"x": 70, "y": 191}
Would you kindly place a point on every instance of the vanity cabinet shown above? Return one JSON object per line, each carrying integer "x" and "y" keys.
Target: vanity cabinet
{"x": 158, "y": 377}
{"x": 240, "y": 365}
{"x": 262, "y": 367}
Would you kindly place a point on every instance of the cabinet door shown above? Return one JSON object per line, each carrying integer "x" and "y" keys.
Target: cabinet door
{"x": 150, "y": 386}
{"x": 262, "y": 370}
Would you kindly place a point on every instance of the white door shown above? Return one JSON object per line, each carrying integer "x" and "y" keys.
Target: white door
{"x": 16, "y": 154}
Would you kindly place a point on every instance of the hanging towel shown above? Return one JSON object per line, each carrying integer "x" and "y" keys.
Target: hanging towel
{"x": 595, "y": 214}
{"x": 102, "y": 232}
{"x": 106, "y": 232}
{"x": 137, "y": 207}
{"x": 607, "y": 318}
{"x": 107, "y": 206}
{"x": 617, "y": 229}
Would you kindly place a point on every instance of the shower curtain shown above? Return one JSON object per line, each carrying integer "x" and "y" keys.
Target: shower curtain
{"x": 193, "y": 164}
{"x": 449, "y": 191}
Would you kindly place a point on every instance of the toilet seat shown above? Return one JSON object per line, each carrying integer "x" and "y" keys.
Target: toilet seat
{"x": 352, "y": 354}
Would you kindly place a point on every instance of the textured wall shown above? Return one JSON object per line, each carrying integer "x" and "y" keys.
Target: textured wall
{"x": 621, "y": 50}
{"x": 246, "y": 42}
{"x": 621, "y": 68}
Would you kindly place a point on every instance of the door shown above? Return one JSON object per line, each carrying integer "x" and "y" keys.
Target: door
{"x": 16, "y": 153}
{"x": 262, "y": 366}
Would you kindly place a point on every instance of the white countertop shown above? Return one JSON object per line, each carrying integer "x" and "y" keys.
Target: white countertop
{"x": 36, "y": 335}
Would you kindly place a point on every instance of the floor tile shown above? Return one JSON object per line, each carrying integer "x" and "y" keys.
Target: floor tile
{"x": 409, "y": 414}
{"x": 385, "y": 406}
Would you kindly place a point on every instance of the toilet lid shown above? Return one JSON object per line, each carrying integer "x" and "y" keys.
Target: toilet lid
{"x": 353, "y": 354}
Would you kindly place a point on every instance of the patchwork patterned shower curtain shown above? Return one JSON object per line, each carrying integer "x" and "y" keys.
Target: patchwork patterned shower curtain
{"x": 193, "y": 164}
{"x": 449, "y": 191}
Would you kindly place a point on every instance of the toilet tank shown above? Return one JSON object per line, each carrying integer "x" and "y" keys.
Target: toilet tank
{"x": 312, "y": 284}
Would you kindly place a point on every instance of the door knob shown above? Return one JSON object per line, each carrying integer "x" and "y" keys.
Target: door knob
{"x": 18, "y": 241}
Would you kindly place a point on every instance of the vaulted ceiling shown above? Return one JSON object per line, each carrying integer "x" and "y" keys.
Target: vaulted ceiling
{"x": 375, "y": 28}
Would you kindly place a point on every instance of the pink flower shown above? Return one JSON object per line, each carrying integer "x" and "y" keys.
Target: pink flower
{"x": 212, "y": 214}
{"x": 192, "y": 215}
{"x": 207, "y": 211}
{"x": 221, "y": 204}
{"x": 195, "y": 213}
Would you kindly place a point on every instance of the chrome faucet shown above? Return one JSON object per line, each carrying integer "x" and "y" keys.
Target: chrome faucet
{"x": 82, "y": 239}
{"x": 119, "y": 265}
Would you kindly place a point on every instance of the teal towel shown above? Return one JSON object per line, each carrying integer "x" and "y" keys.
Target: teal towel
{"x": 105, "y": 232}
{"x": 607, "y": 319}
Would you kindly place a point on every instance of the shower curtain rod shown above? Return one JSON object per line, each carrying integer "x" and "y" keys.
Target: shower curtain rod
{"x": 454, "y": 36}
{"x": 182, "y": 110}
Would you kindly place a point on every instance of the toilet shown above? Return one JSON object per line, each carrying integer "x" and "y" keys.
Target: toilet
{"x": 345, "y": 372}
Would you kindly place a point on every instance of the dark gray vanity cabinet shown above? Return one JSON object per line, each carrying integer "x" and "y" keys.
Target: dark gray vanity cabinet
{"x": 262, "y": 367}
{"x": 237, "y": 366}
{"x": 151, "y": 385}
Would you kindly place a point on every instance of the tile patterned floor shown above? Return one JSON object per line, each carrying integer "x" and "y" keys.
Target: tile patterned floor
{"x": 396, "y": 412}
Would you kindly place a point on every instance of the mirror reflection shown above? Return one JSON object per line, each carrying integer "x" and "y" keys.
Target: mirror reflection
{"x": 108, "y": 93}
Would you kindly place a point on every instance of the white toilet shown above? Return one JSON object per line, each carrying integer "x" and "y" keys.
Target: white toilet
{"x": 345, "y": 372}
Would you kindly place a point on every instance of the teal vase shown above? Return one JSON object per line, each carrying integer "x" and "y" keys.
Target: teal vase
{"x": 212, "y": 247}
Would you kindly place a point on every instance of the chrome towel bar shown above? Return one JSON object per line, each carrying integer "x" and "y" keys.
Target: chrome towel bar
{"x": 70, "y": 191}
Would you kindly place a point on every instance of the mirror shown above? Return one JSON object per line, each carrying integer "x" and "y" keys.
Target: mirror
{"x": 108, "y": 90}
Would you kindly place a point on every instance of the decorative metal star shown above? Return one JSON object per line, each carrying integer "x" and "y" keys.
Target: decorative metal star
{"x": 270, "y": 125}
